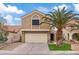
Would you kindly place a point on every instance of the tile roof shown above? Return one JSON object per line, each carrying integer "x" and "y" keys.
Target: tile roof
{"x": 13, "y": 29}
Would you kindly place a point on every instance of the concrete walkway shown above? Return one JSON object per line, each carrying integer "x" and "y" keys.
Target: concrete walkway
{"x": 35, "y": 49}
{"x": 11, "y": 46}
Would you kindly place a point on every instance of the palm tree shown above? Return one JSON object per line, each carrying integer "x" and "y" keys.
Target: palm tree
{"x": 58, "y": 18}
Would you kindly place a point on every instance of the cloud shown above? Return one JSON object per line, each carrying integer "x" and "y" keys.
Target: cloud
{"x": 46, "y": 10}
{"x": 9, "y": 19}
{"x": 17, "y": 18}
{"x": 43, "y": 9}
{"x": 17, "y": 21}
{"x": 10, "y": 9}
{"x": 76, "y": 7}
{"x": 60, "y": 6}
{"x": 14, "y": 9}
{"x": 7, "y": 12}
{"x": 12, "y": 20}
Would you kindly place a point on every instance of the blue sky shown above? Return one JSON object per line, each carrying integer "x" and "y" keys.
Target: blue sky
{"x": 13, "y": 11}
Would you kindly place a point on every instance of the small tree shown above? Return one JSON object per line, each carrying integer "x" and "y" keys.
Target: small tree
{"x": 3, "y": 32}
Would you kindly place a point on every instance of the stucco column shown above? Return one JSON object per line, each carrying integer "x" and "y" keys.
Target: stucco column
{"x": 70, "y": 36}
{"x": 55, "y": 37}
{"x": 23, "y": 37}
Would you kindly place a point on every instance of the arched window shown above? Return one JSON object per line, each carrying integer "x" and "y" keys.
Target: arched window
{"x": 35, "y": 20}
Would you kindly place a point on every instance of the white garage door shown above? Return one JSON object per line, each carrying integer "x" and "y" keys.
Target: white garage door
{"x": 36, "y": 37}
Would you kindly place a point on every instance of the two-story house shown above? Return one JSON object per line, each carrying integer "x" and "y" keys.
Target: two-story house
{"x": 32, "y": 31}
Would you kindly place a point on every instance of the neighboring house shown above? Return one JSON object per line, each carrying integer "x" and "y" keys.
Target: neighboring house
{"x": 14, "y": 34}
{"x": 68, "y": 33}
{"x": 13, "y": 28}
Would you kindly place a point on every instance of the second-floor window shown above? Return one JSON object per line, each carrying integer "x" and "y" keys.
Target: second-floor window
{"x": 35, "y": 20}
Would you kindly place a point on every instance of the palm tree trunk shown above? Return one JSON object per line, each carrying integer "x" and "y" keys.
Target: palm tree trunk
{"x": 59, "y": 37}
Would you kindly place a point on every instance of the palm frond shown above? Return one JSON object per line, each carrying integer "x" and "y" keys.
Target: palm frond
{"x": 58, "y": 17}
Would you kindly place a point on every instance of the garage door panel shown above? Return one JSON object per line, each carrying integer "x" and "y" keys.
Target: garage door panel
{"x": 36, "y": 37}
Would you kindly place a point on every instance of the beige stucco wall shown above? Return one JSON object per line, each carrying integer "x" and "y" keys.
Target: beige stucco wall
{"x": 13, "y": 37}
{"x": 27, "y": 21}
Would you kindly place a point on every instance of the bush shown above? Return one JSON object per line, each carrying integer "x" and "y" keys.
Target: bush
{"x": 3, "y": 36}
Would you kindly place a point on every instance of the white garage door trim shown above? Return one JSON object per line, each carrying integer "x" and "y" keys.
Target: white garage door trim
{"x": 36, "y": 37}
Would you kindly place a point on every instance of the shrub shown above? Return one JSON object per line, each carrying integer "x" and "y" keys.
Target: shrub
{"x": 3, "y": 36}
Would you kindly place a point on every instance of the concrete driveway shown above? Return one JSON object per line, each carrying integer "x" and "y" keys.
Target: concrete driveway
{"x": 32, "y": 48}
{"x": 28, "y": 48}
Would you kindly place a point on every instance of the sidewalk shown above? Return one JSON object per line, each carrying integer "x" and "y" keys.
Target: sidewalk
{"x": 34, "y": 49}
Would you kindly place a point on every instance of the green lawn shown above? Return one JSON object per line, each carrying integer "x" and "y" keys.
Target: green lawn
{"x": 63, "y": 47}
